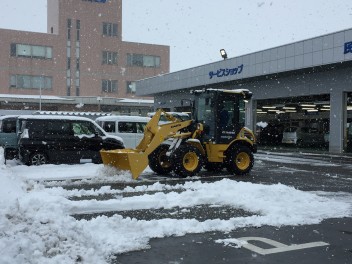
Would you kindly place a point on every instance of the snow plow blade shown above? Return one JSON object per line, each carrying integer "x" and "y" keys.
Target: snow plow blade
{"x": 126, "y": 159}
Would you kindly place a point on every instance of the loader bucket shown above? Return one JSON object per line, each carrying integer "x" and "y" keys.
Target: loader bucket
{"x": 126, "y": 159}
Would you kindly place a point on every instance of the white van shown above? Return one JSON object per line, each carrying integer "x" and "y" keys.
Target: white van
{"x": 129, "y": 128}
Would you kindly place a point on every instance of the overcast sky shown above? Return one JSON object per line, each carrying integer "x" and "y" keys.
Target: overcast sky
{"x": 196, "y": 29}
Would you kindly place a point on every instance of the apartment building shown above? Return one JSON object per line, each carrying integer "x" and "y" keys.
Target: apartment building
{"x": 81, "y": 55}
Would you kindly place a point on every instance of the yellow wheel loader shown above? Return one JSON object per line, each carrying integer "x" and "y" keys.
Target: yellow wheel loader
{"x": 215, "y": 138}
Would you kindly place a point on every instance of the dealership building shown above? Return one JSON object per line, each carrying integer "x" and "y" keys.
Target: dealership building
{"x": 82, "y": 59}
{"x": 305, "y": 84}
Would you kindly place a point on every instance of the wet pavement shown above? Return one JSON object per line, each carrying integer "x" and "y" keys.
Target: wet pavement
{"x": 327, "y": 242}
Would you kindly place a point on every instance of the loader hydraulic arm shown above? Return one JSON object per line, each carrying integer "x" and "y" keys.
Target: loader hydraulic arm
{"x": 155, "y": 134}
{"x": 136, "y": 160}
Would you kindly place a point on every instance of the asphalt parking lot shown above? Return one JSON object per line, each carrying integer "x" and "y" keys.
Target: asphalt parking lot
{"x": 327, "y": 242}
{"x": 330, "y": 241}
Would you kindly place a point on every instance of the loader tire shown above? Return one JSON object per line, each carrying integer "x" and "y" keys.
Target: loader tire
{"x": 187, "y": 160}
{"x": 240, "y": 160}
{"x": 159, "y": 162}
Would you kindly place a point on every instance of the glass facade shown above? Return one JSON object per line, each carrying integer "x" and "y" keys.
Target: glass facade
{"x": 68, "y": 55}
{"x": 78, "y": 46}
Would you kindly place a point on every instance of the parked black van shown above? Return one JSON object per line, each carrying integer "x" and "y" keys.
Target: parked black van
{"x": 62, "y": 139}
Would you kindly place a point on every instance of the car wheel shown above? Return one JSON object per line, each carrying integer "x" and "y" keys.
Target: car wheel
{"x": 187, "y": 160}
{"x": 38, "y": 158}
{"x": 159, "y": 162}
{"x": 240, "y": 160}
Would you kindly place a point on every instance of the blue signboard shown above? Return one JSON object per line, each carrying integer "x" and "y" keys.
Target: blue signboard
{"x": 348, "y": 47}
{"x": 226, "y": 72}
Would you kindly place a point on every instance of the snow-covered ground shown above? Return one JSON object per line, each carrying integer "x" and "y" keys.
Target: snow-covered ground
{"x": 37, "y": 226}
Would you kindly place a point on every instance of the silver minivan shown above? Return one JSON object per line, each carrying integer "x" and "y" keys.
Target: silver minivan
{"x": 129, "y": 128}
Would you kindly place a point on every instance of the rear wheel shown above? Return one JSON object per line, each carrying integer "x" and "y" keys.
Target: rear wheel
{"x": 188, "y": 161}
{"x": 159, "y": 162}
{"x": 38, "y": 158}
{"x": 240, "y": 160}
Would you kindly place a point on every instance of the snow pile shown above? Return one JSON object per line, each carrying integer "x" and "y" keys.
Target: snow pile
{"x": 11, "y": 187}
{"x": 38, "y": 227}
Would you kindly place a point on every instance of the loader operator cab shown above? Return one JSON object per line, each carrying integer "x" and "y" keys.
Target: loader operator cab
{"x": 222, "y": 113}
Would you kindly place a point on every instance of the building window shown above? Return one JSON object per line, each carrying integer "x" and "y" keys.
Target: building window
{"x": 131, "y": 88}
{"x": 68, "y": 92}
{"x": 68, "y": 55}
{"x": 31, "y": 82}
{"x": 110, "y": 57}
{"x": 109, "y": 86}
{"x": 141, "y": 60}
{"x": 68, "y": 63}
{"x": 110, "y": 29}
{"x": 78, "y": 28}
{"x": 69, "y": 25}
{"x": 31, "y": 51}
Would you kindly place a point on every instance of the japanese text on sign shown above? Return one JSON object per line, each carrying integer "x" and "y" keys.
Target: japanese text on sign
{"x": 348, "y": 47}
{"x": 226, "y": 72}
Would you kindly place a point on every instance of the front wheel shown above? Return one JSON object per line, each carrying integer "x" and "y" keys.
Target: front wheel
{"x": 159, "y": 162}
{"x": 38, "y": 158}
{"x": 188, "y": 161}
{"x": 240, "y": 160}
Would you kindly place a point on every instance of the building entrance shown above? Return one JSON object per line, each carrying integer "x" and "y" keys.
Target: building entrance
{"x": 301, "y": 122}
